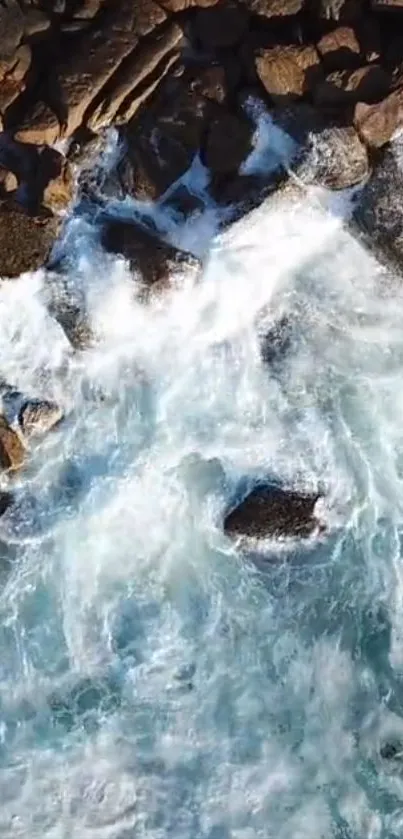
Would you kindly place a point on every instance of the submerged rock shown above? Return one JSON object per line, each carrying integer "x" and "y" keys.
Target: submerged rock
{"x": 156, "y": 261}
{"x": 269, "y": 511}
{"x": 37, "y": 416}
{"x": 276, "y": 341}
{"x": 12, "y": 451}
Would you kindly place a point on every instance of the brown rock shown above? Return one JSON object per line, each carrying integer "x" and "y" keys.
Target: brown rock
{"x": 11, "y": 28}
{"x": 180, "y": 5}
{"x": 221, "y": 26}
{"x": 35, "y": 21}
{"x": 275, "y": 8}
{"x": 271, "y": 512}
{"x": 13, "y": 81}
{"x": 156, "y": 262}
{"x": 40, "y": 125}
{"x": 8, "y": 180}
{"x": 38, "y": 416}
{"x": 228, "y": 142}
{"x": 387, "y": 5}
{"x": 141, "y": 64}
{"x": 55, "y": 180}
{"x": 376, "y": 124}
{"x": 339, "y": 49}
{"x": 345, "y": 88}
{"x": 289, "y": 72}
{"x": 12, "y": 452}
{"x": 25, "y": 241}
{"x": 211, "y": 82}
{"x": 88, "y": 9}
{"x": 337, "y": 159}
{"x": 84, "y": 73}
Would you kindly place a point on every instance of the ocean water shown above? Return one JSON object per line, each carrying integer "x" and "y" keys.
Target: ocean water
{"x": 155, "y": 681}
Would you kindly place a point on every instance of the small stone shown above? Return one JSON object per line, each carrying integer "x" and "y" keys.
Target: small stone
{"x": 37, "y": 417}
{"x": 12, "y": 451}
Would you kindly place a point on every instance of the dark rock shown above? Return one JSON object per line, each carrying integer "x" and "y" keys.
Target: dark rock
{"x": 336, "y": 159}
{"x": 289, "y": 72}
{"x": 157, "y": 263}
{"x": 222, "y": 26}
{"x": 345, "y": 11}
{"x": 299, "y": 120}
{"x": 12, "y": 451}
{"x": 339, "y": 49}
{"x": 184, "y": 202}
{"x": 11, "y": 28}
{"x": 13, "y": 81}
{"x": 269, "y": 511}
{"x": 37, "y": 416}
{"x": 163, "y": 140}
{"x": 211, "y": 82}
{"x": 228, "y": 142}
{"x": 70, "y": 313}
{"x": 379, "y": 212}
{"x": 346, "y": 88}
{"x": 387, "y": 5}
{"x": 377, "y": 123}
{"x": 39, "y": 125}
{"x": 6, "y": 500}
{"x": 25, "y": 241}
{"x": 391, "y": 750}
{"x": 276, "y": 341}
{"x": 180, "y": 5}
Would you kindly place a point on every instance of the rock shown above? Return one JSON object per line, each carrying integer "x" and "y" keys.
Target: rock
{"x": 11, "y": 28}
{"x": 35, "y": 21}
{"x": 44, "y": 176}
{"x": 387, "y": 5}
{"x": 180, "y": 5}
{"x": 379, "y": 212}
{"x": 156, "y": 262}
{"x": 377, "y": 123}
{"x": 130, "y": 81}
{"x": 55, "y": 181}
{"x": 339, "y": 49}
{"x": 25, "y": 241}
{"x": 6, "y": 500}
{"x": 276, "y": 341}
{"x": 38, "y": 416}
{"x": 13, "y": 81}
{"x": 88, "y": 9}
{"x": 341, "y": 10}
{"x": 211, "y": 82}
{"x": 12, "y": 452}
{"x": 275, "y": 8}
{"x": 337, "y": 159}
{"x": 228, "y": 142}
{"x": 289, "y": 72}
{"x": 8, "y": 180}
{"x": 163, "y": 140}
{"x": 84, "y": 71}
{"x": 220, "y": 27}
{"x": 184, "y": 202}
{"x": 40, "y": 125}
{"x": 346, "y": 88}
{"x": 271, "y": 512}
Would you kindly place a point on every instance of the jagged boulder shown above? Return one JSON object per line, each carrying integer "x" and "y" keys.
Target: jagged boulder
{"x": 271, "y": 512}
{"x": 156, "y": 263}
{"x": 25, "y": 241}
{"x": 289, "y": 72}
{"x": 38, "y": 416}
{"x": 12, "y": 451}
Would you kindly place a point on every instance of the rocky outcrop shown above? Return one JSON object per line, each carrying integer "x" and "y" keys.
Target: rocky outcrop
{"x": 155, "y": 262}
{"x": 379, "y": 212}
{"x": 12, "y": 451}
{"x": 38, "y": 416}
{"x": 25, "y": 240}
{"x": 271, "y": 512}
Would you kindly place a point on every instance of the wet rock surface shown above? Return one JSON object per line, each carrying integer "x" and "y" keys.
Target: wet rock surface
{"x": 271, "y": 512}
{"x": 12, "y": 451}
{"x": 38, "y": 416}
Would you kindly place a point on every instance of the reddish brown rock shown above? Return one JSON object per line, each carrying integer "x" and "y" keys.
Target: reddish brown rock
{"x": 289, "y": 72}
{"x": 339, "y": 49}
{"x": 376, "y": 124}
{"x": 132, "y": 77}
{"x": 12, "y": 451}
{"x": 345, "y": 88}
{"x": 228, "y": 143}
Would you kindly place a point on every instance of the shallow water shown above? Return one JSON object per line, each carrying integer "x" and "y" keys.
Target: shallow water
{"x": 154, "y": 681}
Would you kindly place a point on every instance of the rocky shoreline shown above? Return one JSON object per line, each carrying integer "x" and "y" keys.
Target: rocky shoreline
{"x": 176, "y": 80}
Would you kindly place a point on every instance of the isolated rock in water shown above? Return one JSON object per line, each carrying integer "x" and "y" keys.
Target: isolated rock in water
{"x": 37, "y": 416}
{"x": 269, "y": 511}
{"x": 337, "y": 159}
{"x": 156, "y": 261}
{"x": 379, "y": 211}
{"x": 276, "y": 341}
{"x": 289, "y": 72}
{"x": 376, "y": 124}
{"x": 6, "y": 500}
{"x": 25, "y": 241}
{"x": 12, "y": 452}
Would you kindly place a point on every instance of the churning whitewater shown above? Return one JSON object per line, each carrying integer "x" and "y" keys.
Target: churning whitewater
{"x": 155, "y": 681}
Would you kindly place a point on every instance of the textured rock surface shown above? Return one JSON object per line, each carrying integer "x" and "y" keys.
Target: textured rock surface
{"x": 337, "y": 159}
{"x": 269, "y": 511}
{"x": 12, "y": 451}
{"x": 289, "y": 72}
{"x": 25, "y": 241}
{"x": 37, "y": 416}
{"x": 376, "y": 124}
